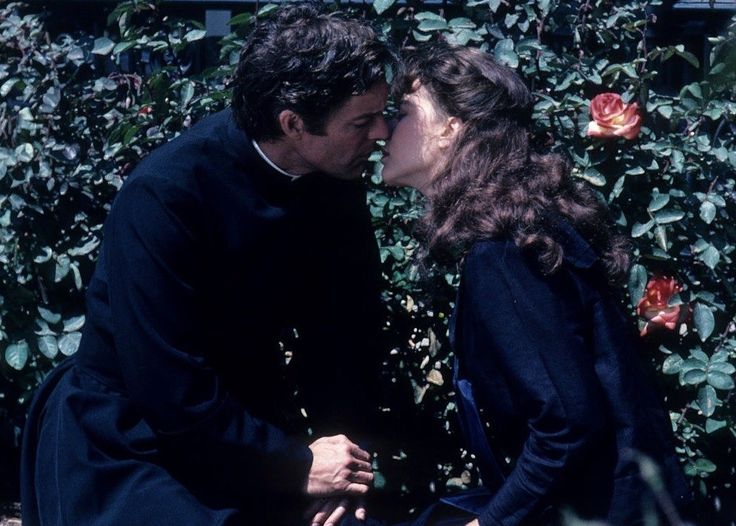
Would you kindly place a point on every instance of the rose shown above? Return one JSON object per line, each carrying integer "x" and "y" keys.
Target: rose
{"x": 654, "y": 305}
{"x": 613, "y": 118}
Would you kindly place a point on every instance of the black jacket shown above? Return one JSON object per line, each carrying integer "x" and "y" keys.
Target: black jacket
{"x": 211, "y": 259}
{"x": 556, "y": 372}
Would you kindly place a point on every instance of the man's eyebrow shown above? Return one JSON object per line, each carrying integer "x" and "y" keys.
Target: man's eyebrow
{"x": 367, "y": 115}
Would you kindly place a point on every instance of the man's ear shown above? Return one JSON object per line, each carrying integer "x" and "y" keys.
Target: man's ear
{"x": 450, "y": 131}
{"x": 291, "y": 124}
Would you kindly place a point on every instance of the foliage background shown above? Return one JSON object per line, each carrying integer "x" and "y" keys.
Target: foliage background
{"x": 77, "y": 111}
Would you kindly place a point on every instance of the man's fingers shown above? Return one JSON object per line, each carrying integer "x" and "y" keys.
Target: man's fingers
{"x": 359, "y": 453}
{"x": 337, "y": 514}
{"x": 357, "y": 489}
{"x": 361, "y": 477}
{"x": 360, "y": 465}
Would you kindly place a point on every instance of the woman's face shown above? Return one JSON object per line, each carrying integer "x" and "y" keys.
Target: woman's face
{"x": 419, "y": 142}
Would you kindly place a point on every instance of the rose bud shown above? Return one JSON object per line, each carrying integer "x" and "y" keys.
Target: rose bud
{"x": 613, "y": 118}
{"x": 653, "y": 306}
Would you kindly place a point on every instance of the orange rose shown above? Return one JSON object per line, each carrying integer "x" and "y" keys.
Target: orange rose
{"x": 612, "y": 118}
{"x": 654, "y": 307}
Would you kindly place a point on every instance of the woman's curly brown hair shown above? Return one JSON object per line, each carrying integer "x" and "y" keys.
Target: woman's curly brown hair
{"x": 494, "y": 184}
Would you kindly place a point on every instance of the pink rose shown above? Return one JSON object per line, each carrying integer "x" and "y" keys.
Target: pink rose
{"x": 654, "y": 307}
{"x": 612, "y": 118}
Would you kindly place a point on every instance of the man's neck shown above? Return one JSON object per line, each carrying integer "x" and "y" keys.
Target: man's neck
{"x": 284, "y": 156}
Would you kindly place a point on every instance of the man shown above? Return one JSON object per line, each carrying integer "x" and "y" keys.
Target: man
{"x": 251, "y": 226}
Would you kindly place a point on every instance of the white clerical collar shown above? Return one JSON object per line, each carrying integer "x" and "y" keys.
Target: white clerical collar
{"x": 271, "y": 163}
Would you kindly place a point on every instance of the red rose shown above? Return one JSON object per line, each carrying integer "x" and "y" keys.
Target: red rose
{"x": 654, "y": 307}
{"x": 612, "y": 118}
{"x": 145, "y": 110}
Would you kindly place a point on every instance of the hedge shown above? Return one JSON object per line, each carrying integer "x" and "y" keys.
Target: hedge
{"x": 78, "y": 111}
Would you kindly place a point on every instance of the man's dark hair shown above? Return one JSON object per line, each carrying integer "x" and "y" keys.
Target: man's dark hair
{"x": 308, "y": 60}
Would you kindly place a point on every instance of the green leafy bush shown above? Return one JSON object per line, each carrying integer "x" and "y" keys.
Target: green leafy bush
{"x": 77, "y": 112}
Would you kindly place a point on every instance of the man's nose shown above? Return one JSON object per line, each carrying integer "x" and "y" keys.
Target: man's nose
{"x": 381, "y": 130}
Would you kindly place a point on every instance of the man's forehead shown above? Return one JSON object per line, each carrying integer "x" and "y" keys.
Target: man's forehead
{"x": 369, "y": 103}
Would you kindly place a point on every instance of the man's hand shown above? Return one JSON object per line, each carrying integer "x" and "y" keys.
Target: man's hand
{"x": 328, "y": 512}
{"x": 339, "y": 467}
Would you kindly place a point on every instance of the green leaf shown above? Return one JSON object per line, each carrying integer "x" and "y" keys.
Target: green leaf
{"x": 381, "y": 5}
{"x": 658, "y": 202}
{"x": 52, "y": 97}
{"x": 719, "y": 357}
{"x": 242, "y": 19}
{"x": 720, "y": 380}
{"x": 462, "y": 23}
{"x": 692, "y": 364}
{"x": 722, "y": 367}
{"x": 637, "y": 283}
{"x": 710, "y": 256}
{"x": 694, "y": 377}
{"x": 74, "y": 324}
{"x": 7, "y": 86}
{"x": 640, "y": 229}
{"x": 504, "y": 52}
{"x": 693, "y": 88}
{"x": 660, "y": 234}
{"x": 665, "y": 111}
{"x": 49, "y": 316}
{"x": 16, "y": 355}
{"x": 594, "y": 177}
{"x": 714, "y": 425}
{"x": 24, "y": 153}
{"x": 69, "y": 343}
{"x": 428, "y": 15}
{"x": 707, "y": 399}
{"x": 103, "y": 46}
{"x": 704, "y": 320}
{"x": 664, "y": 217}
{"x": 48, "y": 346}
{"x": 121, "y": 47}
{"x": 432, "y": 25}
{"x": 672, "y": 364}
{"x": 707, "y": 211}
{"x": 195, "y": 34}
{"x": 704, "y": 465}
{"x": 187, "y": 92}
{"x": 510, "y": 20}
{"x": 692, "y": 59}
{"x": 268, "y": 9}
{"x": 62, "y": 268}
{"x": 699, "y": 355}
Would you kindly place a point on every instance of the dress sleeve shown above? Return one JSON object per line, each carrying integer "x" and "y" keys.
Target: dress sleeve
{"x": 155, "y": 258}
{"x": 536, "y": 332}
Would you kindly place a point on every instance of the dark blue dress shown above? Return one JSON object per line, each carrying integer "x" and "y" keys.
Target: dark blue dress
{"x": 178, "y": 407}
{"x": 550, "y": 363}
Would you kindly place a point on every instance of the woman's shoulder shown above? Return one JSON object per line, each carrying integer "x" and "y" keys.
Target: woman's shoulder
{"x": 493, "y": 252}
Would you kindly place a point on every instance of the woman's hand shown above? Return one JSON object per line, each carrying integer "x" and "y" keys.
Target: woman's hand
{"x": 474, "y": 522}
{"x": 328, "y": 512}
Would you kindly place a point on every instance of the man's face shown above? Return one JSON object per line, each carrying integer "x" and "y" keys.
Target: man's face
{"x": 349, "y": 135}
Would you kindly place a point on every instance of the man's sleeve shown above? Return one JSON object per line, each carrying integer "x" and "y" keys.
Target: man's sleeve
{"x": 537, "y": 339}
{"x": 156, "y": 277}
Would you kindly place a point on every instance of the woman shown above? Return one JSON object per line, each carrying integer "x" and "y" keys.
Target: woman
{"x": 544, "y": 354}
